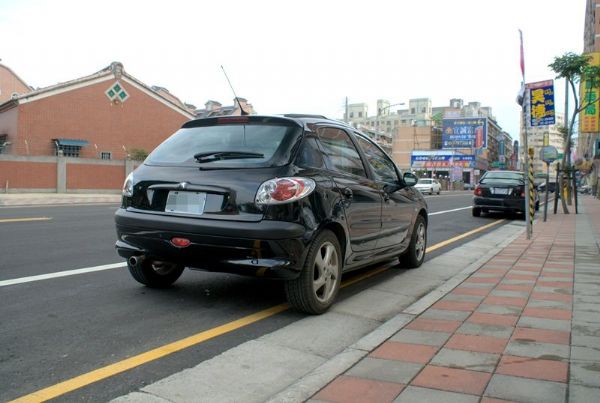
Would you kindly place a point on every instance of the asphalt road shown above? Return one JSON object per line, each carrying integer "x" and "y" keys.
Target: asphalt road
{"x": 55, "y": 329}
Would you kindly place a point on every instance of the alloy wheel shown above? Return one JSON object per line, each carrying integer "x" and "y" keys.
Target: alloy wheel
{"x": 420, "y": 242}
{"x": 326, "y": 272}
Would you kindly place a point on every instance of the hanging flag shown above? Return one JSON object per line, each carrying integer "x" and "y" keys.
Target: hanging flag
{"x": 522, "y": 55}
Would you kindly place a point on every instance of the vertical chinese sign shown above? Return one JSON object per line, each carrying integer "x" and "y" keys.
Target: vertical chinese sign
{"x": 589, "y": 117}
{"x": 541, "y": 103}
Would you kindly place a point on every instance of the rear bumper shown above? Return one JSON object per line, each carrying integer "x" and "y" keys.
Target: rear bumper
{"x": 493, "y": 204}
{"x": 266, "y": 248}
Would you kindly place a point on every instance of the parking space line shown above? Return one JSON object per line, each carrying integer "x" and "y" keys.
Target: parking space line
{"x": 6, "y": 220}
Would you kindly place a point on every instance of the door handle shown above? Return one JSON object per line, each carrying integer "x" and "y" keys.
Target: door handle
{"x": 347, "y": 192}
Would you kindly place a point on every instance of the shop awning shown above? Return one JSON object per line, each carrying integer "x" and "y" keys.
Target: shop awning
{"x": 71, "y": 142}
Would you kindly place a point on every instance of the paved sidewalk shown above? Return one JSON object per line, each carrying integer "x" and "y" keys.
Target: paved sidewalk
{"x": 524, "y": 327}
{"x": 37, "y": 199}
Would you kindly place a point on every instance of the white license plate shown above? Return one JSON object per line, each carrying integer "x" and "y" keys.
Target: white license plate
{"x": 186, "y": 202}
{"x": 500, "y": 191}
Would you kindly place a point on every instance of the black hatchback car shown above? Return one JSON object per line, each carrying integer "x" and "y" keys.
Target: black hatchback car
{"x": 501, "y": 191}
{"x": 295, "y": 197}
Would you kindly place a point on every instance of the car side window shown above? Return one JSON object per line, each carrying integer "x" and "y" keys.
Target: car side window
{"x": 309, "y": 154}
{"x": 383, "y": 168}
{"x": 339, "y": 151}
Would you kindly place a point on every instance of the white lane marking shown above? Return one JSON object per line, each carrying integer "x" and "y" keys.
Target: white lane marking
{"x": 448, "y": 195}
{"x": 449, "y": 211}
{"x": 61, "y": 274}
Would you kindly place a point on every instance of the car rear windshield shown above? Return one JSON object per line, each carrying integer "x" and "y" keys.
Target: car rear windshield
{"x": 501, "y": 176}
{"x": 228, "y": 146}
{"x": 424, "y": 181}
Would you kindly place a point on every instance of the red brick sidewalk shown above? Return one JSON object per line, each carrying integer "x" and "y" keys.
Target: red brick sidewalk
{"x": 504, "y": 333}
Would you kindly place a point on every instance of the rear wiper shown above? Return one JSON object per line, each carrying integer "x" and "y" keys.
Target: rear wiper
{"x": 225, "y": 155}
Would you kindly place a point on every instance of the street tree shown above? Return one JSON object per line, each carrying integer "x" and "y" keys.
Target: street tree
{"x": 574, "y": 69}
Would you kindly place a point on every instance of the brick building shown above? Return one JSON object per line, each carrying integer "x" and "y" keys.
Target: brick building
{"x": 92, "y": 122}
{"x": 11, "y": 84}
{"x": 103, "y": 115}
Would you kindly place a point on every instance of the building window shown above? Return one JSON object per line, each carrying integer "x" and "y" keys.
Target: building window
{"x": 360, "y": 114}
{"x": 104, "y": 155}
{"x": 412, "y": 111}
{"x": 3, "y": 142}
{"x": 351, "y": 115}
{"x": 69, "y": 151}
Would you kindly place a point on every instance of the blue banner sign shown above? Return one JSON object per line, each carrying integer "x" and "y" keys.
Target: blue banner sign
{"x": 464, "y": 133}
{"x": 441, "y": 159}
{"x": 541, "y": 103}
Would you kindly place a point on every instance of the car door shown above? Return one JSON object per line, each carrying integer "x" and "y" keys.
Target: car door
{"x": 360, "y": 195}
{"x": 399, "y": 205}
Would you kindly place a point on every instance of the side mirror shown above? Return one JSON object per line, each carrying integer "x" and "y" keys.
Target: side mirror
{"x": 410, "y": 179}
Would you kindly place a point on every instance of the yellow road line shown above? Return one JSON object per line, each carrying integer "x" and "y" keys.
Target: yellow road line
{"x": 99, "y": 374}
{"x": 461, "y": 236}
{"x": 137, "y": 360}
{"x": 25, "y": 219}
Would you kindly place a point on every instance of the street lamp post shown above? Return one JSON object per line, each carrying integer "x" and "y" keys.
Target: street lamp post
{"x": 382, "y": 110}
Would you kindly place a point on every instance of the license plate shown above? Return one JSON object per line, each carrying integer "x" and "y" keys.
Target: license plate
{"x": 500, "y": 191}
{"x": 186, "y": 202}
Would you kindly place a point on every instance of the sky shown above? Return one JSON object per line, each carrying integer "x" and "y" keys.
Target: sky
{"x": 300, "y": 57}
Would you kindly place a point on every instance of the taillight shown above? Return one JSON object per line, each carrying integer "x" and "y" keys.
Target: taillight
{"x": 233, "y": 119}
{"x": 478, "y": 191}
{"x": 284, "y": 190}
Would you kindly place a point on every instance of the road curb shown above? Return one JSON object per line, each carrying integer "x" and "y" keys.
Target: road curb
{"x": 311, "y": 383}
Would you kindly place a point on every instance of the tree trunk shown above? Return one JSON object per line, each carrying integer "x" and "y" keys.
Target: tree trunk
{"x": 562, "y": 192}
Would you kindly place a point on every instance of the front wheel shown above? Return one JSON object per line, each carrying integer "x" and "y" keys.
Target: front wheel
{"x": 415, "y": 254}
{"x": 155, "y": 274}
{"x": 317, "y": 286}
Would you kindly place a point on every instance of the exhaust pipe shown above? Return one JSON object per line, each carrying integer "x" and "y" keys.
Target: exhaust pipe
{"x": 136, "y": 260}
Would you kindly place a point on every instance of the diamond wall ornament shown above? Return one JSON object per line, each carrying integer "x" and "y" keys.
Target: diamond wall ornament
{"x": 117, "y": 93}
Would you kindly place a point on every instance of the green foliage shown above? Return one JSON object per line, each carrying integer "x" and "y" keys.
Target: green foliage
{"x": 138, "y": 154}
{"x": 570, "y": 66}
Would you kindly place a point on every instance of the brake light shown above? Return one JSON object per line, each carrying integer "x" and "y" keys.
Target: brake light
{"x": 478, "y": 191}
{"x": 233, "y": 119}
{"x": 284, "y": 190}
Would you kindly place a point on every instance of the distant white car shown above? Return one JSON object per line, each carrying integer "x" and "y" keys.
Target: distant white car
{"x": 426, "y": 185}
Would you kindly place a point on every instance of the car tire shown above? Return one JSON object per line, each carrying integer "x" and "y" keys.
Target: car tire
{"x": 438, "y": 192}
{"x": 155, "y": 274}
{"x": 476, "y": 212}
{"x": 415, "y": 254}
{"x": 537, "y": 205}
{"x": 315, "y": 290}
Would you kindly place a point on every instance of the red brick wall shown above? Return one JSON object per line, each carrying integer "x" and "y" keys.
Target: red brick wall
{"x": 28, "y": 175}
{"x": 83, "y": 176}
{"x": 10, "y": 83}
{"x": 87, "y": 114}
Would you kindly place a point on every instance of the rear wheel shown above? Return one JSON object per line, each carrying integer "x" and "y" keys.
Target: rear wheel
{"x": 155, "y": 274}
{"x": 476, "y": 212}
{"x": 319, "y": 282}
{"x": 415, "y": 254}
